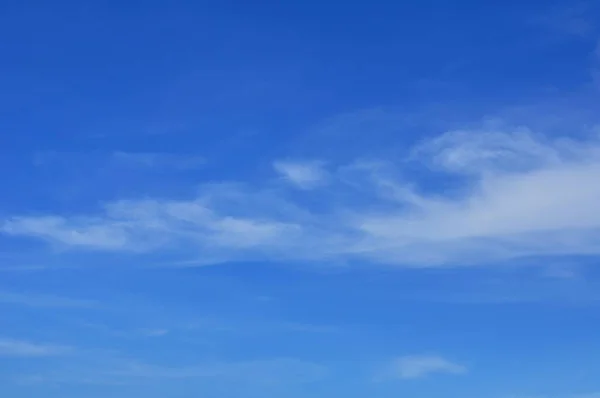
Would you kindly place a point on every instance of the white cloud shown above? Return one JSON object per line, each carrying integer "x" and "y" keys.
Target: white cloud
{"x": 513, "y": 193}
{"x": 82, "y": 232}
{"x": 418, "y": 366}
{"x": 20, "y": 348}
{"x": 305, "y": 175}
{"x": 151, "y": 224}
{"x": 490, "y": 150}
{"x": 47, "y": 301}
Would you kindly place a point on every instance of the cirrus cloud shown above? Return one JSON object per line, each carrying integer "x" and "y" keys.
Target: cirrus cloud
{"x": 22, "y": 348}
{"x": 514, "y": 193}
{"x": 419, "y": 366}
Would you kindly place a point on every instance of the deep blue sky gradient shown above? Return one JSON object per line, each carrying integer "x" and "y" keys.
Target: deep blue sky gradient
{"x": 221, "y": 90}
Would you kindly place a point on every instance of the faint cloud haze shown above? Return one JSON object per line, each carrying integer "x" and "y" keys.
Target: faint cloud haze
{"x": 21, "y": 348}
{"x": 419, "y": 366}
{"x": 518, "y": 194}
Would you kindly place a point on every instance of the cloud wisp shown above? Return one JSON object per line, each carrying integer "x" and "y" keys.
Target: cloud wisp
{"x": 304, "y": 175}
{"x": 420, "y": 366}
{"x": 44, "y": 301}
{"x": 27, "y": 349}
{"x": 481, "y": 196}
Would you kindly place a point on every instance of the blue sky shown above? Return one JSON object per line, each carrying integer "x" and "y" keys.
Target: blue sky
{"x": 300, "y": 199}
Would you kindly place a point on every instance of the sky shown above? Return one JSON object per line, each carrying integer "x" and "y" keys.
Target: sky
{"x": 244, "y": 199}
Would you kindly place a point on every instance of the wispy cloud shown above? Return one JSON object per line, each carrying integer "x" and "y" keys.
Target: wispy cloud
{"x": 418, "y": 366}
{"x": 21, "y": 348}
{"x": 305, "y": 175}
{"x": 47, "y": 301}
{"x": 513, "y": 193}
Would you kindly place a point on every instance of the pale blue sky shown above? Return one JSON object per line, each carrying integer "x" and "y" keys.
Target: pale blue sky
{"x": 299, "y": 199}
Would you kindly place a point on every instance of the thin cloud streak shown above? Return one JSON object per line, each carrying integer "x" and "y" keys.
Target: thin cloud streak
{"x": 26, "y": 349}
{"x": 305, "y": 175}
{"x": 516, "y": 194}
{"x": 44, "y": 301}
{"x": 419, "y": 366}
